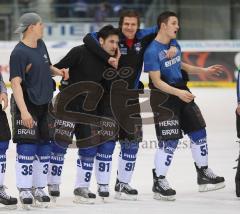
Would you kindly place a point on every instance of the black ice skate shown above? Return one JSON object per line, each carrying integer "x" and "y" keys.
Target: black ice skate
{"x": 26, "y": 198}
{"x": 41, "y": 199}
{"x": 237, "y": 178}
{"x": 161, "y": 188}
{"x": 8, "y": 201}
{"x": 207, "y": 180}
{"x": 53, "y": 191}
{"x": 84, "y": 196}
{"x": 125, "y": 192}
{"x": 103, "y": 191}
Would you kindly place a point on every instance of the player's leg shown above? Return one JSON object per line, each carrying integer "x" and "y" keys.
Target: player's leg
{"x": 237, "y": 176}
{"x": 40, "y": 172}
{"x": 26, "y": 150}
{"x": 5, "y": 136}
{"x": 103, "y": 167}
{"x": 84, "y": 173}
{"x": 194, "y": 125}
{"x": 24, "y": 172}
{"x": 55, "y": 169}
{"x": 168, "y": 133}
{"x": 126, "y": 166}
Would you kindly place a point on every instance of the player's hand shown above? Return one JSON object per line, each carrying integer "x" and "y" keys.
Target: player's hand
{"x": 65, "y": 73}
{"x": 4, "y": 100}
{"x": 172, "y": 51}
{"x": 27, "y": 119}
{"x": 214, "y": 69}
{"x": 113, "y": 61}
{"x": 185, "y": 96}
{"x": 238, "y": 109}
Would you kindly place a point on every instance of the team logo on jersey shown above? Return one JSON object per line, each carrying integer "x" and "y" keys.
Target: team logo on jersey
{"x": 45, "y": 58}
{"x": 138, "y": 47}
{"x": 172, "y": 61}
{"x": 162, "y": 55}
{"x": 123, "y": 51}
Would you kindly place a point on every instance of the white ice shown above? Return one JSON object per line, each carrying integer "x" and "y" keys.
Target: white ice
{"x": 218, "y": 106}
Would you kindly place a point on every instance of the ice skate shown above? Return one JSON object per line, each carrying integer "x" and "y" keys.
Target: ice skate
{"x": 125, "y": 192}
{"x": 162, "y": 189}
{"x": 5, "y": 199}
{"x": 54, "y": 192}
{"x": 237, "y": 176}
{"x": 41, "y": 199}
{"x": 207, "y": 180}
{"x": 103, "y": 192}
{"x": 84, "y": 196}
{"x": 26, "y": 198}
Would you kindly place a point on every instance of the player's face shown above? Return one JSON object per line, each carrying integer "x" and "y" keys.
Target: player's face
{"x": 172, "y": 27}
{"x": 110, "y": 44}
{"x": 38, "y": 30}
{"x": 129, "y": 27}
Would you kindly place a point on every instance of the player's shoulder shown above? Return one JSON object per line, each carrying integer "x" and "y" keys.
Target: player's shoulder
{"x": 152, "y": 48}
{"x": 19, "y": 50}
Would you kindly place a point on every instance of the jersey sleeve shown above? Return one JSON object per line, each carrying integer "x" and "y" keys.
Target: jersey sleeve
{"x": 141, "y": 33}
{"x": 151, "y": 61}
{"x": 174, "y": 43}
{"x": 70, "y": 59}
{"x": 18, "y": 63}
{"x": 92, "y": 43}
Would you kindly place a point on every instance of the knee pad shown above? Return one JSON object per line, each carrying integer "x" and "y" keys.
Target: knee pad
{"x": 27, "y": 149}
{"x": 3, "y": 147}
{"x": 88, "y": 152}
{"x": 26, "y": 153}
{"x": 57, "y": 149}
{"x": 43, "y": 150}
{"x": 198, "y": 137}
{"x": 169, "y": 146}
{"x": 105, "y": 151}
{"x": 106, "y": 148}
{"x": 129, "y": 147}
{"x": 129, "y": 151}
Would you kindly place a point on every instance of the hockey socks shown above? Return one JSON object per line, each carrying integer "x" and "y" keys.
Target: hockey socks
{"x": 199, "y": 147}
{"x": 3, "y": 149}
{"x": 164, "y": 156}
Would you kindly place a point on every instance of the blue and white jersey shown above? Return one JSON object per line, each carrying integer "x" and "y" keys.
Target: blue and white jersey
{"x": 155, "y": 59}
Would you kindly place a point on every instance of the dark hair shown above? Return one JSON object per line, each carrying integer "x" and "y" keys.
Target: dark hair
{"x": 163, "y": 17}
{"x": 129, "y": 13}
{"x": 106, "y": 31}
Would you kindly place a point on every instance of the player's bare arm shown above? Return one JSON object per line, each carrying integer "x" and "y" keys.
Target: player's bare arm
{"x": 184, "y": 95}
{"x": 18, "y": 96}
{"x": 60, "y": 72}
{"x": 213, "y": 69}
{"x": 4, "y": 100}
